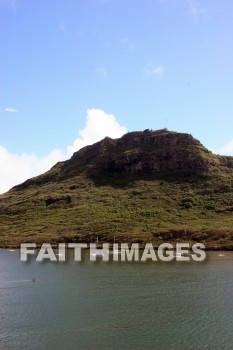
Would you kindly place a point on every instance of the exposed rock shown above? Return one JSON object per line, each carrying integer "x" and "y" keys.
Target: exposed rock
{"x": 52, "y": 200}
{"x": 145, "y": 153}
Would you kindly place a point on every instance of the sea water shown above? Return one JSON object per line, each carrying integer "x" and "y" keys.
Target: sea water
{"x": 116, "y": 305}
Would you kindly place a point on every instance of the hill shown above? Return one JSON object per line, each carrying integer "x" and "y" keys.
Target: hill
{"x": 150, "y": 186}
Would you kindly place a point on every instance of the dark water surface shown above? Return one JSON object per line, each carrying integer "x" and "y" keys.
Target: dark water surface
{"x": 101, "y": 305}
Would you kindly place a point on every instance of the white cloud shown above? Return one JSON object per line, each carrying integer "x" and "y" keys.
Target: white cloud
{"x": 16, "y": 168}
{"x": 227, "y": 149}
{"x": 158, "y": 70}
{"x": 196, "y": 10}
{"x": 10, "y": 110}
{"x": 151, "y": 69}
{"x": 98, "y": 125}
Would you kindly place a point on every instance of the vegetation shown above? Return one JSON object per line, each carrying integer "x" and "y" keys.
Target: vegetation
{"x": 71, "y": 203}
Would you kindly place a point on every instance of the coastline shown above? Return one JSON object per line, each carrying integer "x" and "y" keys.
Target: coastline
{"x": 208, "y": 247}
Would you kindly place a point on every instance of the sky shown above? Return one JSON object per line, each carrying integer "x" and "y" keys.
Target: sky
{"x": 75, "y": 71}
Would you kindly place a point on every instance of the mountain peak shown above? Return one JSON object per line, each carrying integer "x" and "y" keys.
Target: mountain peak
{"x": 142, "y": 153}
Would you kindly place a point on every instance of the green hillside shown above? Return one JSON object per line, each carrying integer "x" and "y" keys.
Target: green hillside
{"x": 150, "y": 186}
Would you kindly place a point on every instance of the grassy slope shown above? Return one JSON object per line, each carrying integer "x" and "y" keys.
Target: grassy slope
{"x": 127, "y": 207}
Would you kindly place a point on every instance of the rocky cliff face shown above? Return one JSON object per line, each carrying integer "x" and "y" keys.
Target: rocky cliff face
{"x": 145, "y": 153}
{"x": 159, "y": 152}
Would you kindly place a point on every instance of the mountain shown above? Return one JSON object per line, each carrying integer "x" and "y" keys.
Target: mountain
{"x": 145, "y": 186}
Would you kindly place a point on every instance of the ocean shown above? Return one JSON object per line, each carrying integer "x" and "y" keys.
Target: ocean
{"x": 116, "y": 305}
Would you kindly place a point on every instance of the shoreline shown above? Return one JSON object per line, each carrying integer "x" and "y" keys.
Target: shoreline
{"x": 216, "y": 247}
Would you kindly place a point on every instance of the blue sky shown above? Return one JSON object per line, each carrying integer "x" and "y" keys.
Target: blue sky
{"x": 151, "y": 64}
